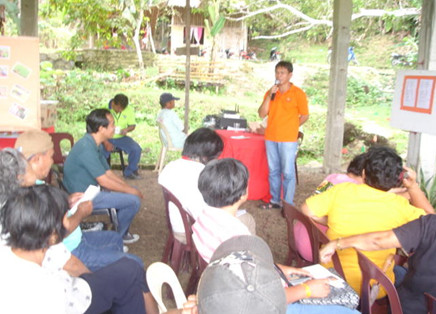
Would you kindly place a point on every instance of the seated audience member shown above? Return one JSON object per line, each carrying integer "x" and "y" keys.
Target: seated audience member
{"x": 353, "y": 175}
{"x": 418, "y": 238}
{"x": 86, "y": 165}
{"x": 170, "y": 120}
{"x": 241, "y": 278}
{"x": 181, "y": 178}
{"x": 224, "y": 186}
{"x": 32, "y": 221}
{"x": 124, "y": 123}
{"x": 349, "y": 209}
{"x": 95, "y": 249}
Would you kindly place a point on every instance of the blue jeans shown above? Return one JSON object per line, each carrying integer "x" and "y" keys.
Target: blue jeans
{"x": 297, "y": 308}
{"x": 98, "y": 249}
{"x": 281, "y": 161}
{"x": 127, "y": 205}
{"x": 133, "y": 150}
{"x": 117, "y": 287}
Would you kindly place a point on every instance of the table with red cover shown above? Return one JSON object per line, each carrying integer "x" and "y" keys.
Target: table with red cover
{"x": 9, "y": 141}
{"x": 249, "y": 148}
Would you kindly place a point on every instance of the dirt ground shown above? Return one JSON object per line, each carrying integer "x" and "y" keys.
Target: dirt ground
{"x": 150, "y": 223}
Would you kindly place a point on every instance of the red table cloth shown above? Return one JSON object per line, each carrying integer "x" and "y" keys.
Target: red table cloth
{"x": 249, "y": 148}
{"x": 9, "y": 141}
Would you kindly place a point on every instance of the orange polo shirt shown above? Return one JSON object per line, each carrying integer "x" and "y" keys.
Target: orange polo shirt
{"x": 284, "y": 115}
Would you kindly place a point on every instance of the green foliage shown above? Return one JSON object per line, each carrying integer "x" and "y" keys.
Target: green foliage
{"x": 360, "y": 92}
{"x": 363, "y": 93}
{"x": 12, "y": 11}
{"x": 218, "y": 26}
{"x": 428, "y": 186}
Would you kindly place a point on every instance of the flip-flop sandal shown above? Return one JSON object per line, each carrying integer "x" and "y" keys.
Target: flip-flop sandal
{"x": 270, "y": 206}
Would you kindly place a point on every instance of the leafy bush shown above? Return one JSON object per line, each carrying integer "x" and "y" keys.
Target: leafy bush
{"x": 428, "y": 186}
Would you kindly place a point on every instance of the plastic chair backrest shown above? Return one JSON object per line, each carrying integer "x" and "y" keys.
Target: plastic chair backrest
{"x": 165, "y": 137}
{"x": 292, "y": 214}
{"x": 431, "y": 303}
{"x": 159, "y": 273}
{"x": 316, "y": 238}
{"x": 322, "y": 239}
{"x": 371, "y": 271}
{"x": 57, "y": 138}
{"x": 187, "y": 219}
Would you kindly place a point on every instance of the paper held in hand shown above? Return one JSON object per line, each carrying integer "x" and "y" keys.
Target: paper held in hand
{"x": 318, "y": 272}
{"x": 89, "y": 195}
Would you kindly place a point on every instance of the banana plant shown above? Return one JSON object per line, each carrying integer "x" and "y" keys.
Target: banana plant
{"x": 214, "y": 24}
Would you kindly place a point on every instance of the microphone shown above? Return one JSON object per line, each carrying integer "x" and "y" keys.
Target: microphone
{"x": 273, "y": 95}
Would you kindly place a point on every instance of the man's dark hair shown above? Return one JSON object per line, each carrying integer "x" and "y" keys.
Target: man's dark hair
{"x": 32, "y": 215}
{"x": 96, "y": 119}
{"x": 223, "y": 181}
{"x": 357, "y": 164}
{"x": 285, "y": 64}
{"x": 122, "y": 100}
{"x": 383, "y": 168}
{"x": 203, "y": 144}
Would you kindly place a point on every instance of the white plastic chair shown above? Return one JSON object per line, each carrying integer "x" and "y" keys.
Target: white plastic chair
{"x": 167, "y": 145}
{"x": 159, "y": 273}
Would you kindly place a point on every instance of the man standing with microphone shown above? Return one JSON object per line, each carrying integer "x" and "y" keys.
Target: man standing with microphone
{"x": 286, "y": 107}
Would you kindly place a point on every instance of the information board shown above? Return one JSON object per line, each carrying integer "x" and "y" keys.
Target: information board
{"x": 19, "y": 84}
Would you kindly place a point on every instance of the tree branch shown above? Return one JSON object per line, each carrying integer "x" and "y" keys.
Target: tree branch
{"x": 315, "y": 22}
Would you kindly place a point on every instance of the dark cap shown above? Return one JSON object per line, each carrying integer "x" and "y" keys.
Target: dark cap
{"x": 166, "y": 97}
{"x": 241, "y": 278}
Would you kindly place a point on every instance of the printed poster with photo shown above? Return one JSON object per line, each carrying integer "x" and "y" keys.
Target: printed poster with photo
{"x": 19, "y": 84}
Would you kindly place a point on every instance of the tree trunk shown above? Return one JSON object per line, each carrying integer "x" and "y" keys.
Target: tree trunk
{"x": 29, "y": 18}
{"x": 136, "y": 38}
{"x": 188, "y": 63}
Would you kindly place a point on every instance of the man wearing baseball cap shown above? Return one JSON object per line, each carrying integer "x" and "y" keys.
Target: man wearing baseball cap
{"x": 170, "y": 120}
{"x": 242, "y": 278}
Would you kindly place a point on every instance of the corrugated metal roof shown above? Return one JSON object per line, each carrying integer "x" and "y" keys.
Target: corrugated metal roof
{"x": 182, "y": 3}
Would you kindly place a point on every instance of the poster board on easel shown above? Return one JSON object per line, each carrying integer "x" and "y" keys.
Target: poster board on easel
{"x": 19, "y": 84}
{"x": 414, "y": 107}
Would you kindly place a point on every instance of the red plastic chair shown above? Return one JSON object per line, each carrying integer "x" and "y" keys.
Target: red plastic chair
{"x": 431, "y": 303}
{"x": 316, "y": 237}
{"x": 371, "y": 271}
{"x": 322, "y": 239}
{"x": 57, "y": 138}
{"x": 292, "y": 215}
{"x": 178, "y": 254}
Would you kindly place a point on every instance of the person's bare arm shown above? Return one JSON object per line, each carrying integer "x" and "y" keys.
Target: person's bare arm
{"x": 108, "y": 181}
{"x": 303, "y": 119}
{"x": 264, "y": 107}
{"x": 75, "y": 267}
{"x": 115, "y": 177}
{"x": 366, "y": 242}
{"x": 108, "y": 146}
{"x": 309, "y": 213}
{"x": 417, "y": 196}
{"x": 315, "y": 288}
{"x": 72, "y": 222}
{"x": 130, "y": 128}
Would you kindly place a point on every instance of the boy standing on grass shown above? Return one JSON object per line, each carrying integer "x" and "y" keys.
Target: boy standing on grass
{"x": 124, "y": 117}
{"x": 223, "y": 184}
{"x": 170, "y": 120}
